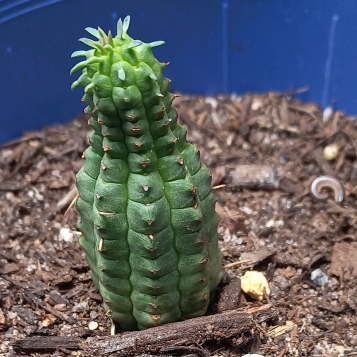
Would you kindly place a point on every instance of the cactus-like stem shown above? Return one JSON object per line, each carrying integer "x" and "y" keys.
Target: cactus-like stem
{"x": 147, "y": 216}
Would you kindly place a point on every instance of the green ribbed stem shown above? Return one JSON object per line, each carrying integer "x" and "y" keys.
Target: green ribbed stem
{"x": 147, "y": 217}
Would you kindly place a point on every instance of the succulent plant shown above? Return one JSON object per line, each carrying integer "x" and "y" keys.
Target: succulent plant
{"x": 147, "y": 212}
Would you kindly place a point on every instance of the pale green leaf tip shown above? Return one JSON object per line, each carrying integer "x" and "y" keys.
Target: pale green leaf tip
{"x": 120, "y": 28}
{"x": 95, "y": 59}
{"x": 89, "y": 88}
{"x": 100, "y": 47}
{"x": 110, "y": 38}
{"x": 74, "y": 85}
{"x": 87, "y": 42}
{"x": 126, "y": 24}
{"x": 156, "y": 44}
{"x": 101, "y": 32}
{"x": 78, "y": 66}
{"x": 73, "y": 70}
{"x": 135, "y": 43}
{"x": 94, "y": 32}
{"x": 85, "y": 39}
{"x": 78, "y": 54}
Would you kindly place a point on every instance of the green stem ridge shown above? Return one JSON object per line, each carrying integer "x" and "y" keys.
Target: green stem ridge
{"x": 147, "y": 216}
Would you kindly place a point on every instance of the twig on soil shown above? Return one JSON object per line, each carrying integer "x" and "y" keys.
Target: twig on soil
{"x": 218, "y": 186}
{"x": 75, "y": 198}
{"x": 338, "y": 209}
{"x": 56, "y": 155}
{"x": 230, "y": 214}
{"x": 47, "y": 308}
{"x": 202, "y": 129}
{"x": 67, "y": 201}
{"x": 10, "y": 187}
{"x": 244, "y": 113}
{"x": 39, "y": 302}
{"x": 284, "y": 350}
{"x": 302, "y": 110}
{"x": 263, "y": 313}
{"x": 255, "y": 309}
{"x": 239, "y": 262}
{"x": 292, "y": 92}
{"x": 28, "y": 136}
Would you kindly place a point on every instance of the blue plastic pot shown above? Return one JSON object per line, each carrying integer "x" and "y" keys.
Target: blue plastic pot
{"x": 214, "y": 47}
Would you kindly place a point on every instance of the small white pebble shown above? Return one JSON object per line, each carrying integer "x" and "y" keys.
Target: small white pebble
{"x": 38, "y": 195}
{"x": 56, "y": 173}
{"x": 6, "y": 153}
{"x": 3, "y": 348}
{"x": 27, "y": 220}
{"x": 66, "y": 235}
{"x": 227, "y": 238}
{"x": 327, "y": 114}
{"x": 93, "y": 325}
{"x": 270, "y": 224}
{"x": 247, "y": 210}
{"x": 212, "y": 101}
{"x": 9, "y": 196}
{"x": 340, "y": 349}
{"x": 61, "y": 307}
{"x": 12, "y": 315}
{"x": 245, "y": 146}
{"x": 31, "y": 268}
{"x": 266, "y": 141}
{"x": 93, "y": 315}
{"x": 256, "y": 104}
{"x": 318, "y": 277}
{"x": 279, "y": 223}
{"x": 82, "y": 306}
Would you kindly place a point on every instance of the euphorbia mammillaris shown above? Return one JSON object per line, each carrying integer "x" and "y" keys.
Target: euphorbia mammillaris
{"x": 147, "y": 212}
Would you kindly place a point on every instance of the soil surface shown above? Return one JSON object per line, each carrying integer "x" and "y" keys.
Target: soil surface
{"x": 264, "y": 152}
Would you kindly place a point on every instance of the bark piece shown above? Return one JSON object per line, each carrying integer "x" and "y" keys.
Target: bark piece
{"x": 231, "y": 296}
{"x": 45, "y": 344}
{"x": 258, "y": 256}
{"x": 344, "y": 260}
{"x": 236, "y": 328}
{"x": 253, "y": 176}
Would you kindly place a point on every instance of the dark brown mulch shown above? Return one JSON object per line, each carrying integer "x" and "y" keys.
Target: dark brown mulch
{"x": 275, "y": 224}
